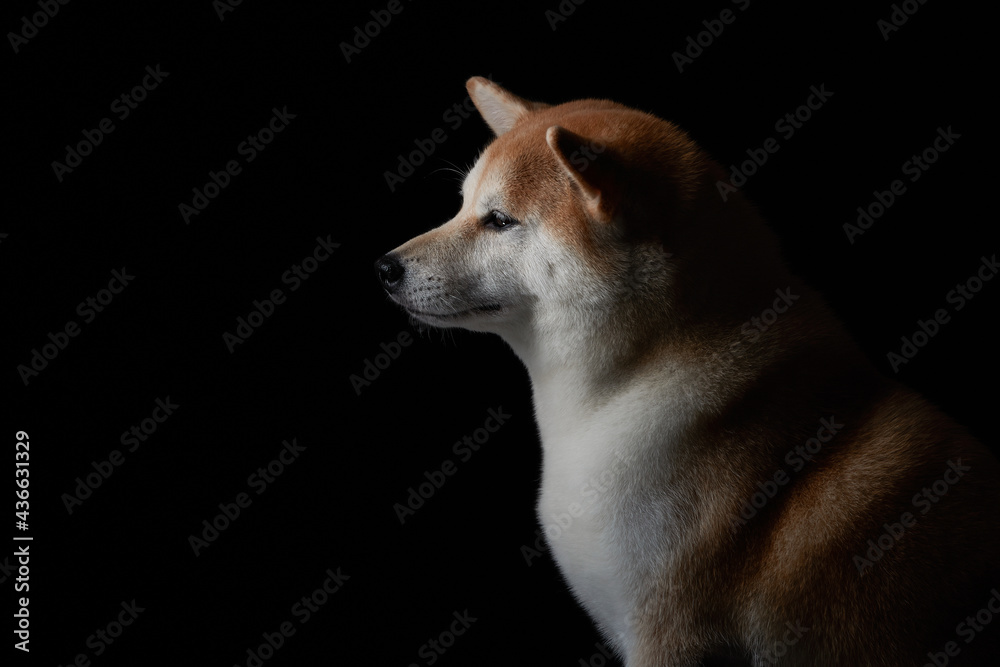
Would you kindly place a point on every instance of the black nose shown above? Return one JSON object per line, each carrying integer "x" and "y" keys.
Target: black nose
{"x": 390, "y": 271}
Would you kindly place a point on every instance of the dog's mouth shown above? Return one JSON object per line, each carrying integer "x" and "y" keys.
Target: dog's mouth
{"x": 477, "y": 310}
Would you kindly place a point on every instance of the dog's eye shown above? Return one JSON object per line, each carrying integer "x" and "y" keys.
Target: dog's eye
{"x": 498, "y": 220}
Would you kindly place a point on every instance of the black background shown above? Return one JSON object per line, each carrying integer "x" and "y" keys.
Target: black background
{"x": 324, "y": 176}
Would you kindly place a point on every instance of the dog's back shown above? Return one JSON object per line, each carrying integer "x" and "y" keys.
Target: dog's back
{"x": 866, "y": 537}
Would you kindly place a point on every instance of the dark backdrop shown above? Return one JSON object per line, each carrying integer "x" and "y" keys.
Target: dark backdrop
{"x": 217, "y": 76}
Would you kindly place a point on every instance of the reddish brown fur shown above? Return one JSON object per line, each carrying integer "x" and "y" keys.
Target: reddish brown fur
{"x": 793, "y": 562}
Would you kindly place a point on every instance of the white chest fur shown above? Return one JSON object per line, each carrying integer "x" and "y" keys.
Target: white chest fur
{"x": 580, "y": 485}
{"x": 595, "y": 462}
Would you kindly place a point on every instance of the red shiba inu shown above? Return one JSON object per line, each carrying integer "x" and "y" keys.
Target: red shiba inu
{"x": 766, "y": 496}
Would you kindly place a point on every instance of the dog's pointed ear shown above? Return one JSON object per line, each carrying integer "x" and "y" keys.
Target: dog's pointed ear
{"x": 589, "y": 167}
{"x": 500, "y": 108}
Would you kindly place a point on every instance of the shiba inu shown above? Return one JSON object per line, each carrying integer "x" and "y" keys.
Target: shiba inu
{"x": 766, "y": 496}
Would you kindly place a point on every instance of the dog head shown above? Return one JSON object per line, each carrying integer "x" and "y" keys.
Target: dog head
{"x": 572, "y": 219}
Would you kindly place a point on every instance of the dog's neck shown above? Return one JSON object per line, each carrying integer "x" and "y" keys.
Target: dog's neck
{"x": 583, "y": 367}
{"x": 701, "y": 349}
